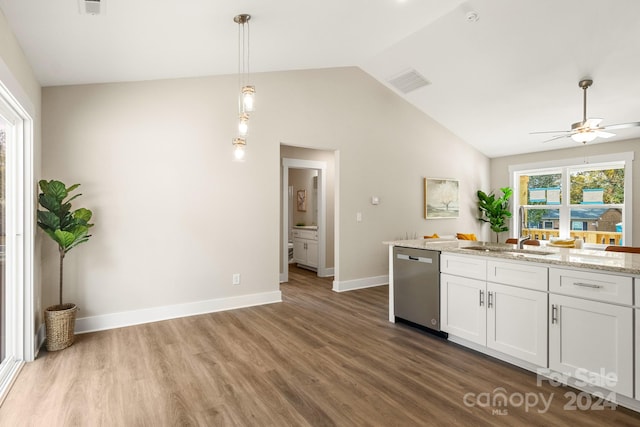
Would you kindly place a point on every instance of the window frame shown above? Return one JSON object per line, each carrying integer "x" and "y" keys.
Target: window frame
{"x": 565, "y": 165}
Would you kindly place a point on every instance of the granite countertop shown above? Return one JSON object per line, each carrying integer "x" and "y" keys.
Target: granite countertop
{"x": 619, "y": 262}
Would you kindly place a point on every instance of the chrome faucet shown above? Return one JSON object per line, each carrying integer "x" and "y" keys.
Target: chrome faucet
{"x": 521, "y": 241}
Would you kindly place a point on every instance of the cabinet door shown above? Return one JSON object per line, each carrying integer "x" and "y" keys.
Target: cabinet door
{"x": 312, "y": 253}
{"x": 299, "y": 251}
{"x": 517, "y": 322}
{"x": 592, "y": 341}
{"x": 462, "y": 304}
{"x": 637, "y": 348}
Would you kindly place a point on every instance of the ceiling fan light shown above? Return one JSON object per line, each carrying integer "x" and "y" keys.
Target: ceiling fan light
{"x": 584, "y": 137}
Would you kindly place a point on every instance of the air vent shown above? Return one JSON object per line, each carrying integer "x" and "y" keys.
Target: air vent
{"x": 91, "y": 7}
{"x": 408, "y": 81}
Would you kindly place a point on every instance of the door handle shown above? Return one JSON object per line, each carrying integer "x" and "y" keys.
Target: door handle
{"x": 554, "y": 314}
{"x": 481, "y": 297}
{"x": 489, "y": 299}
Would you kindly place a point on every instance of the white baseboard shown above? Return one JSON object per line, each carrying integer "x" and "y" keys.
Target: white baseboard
{"x": 41, "y": 335}
{"x": 326, "y": 272}
{"x": 366, "y": 282}
{"x": 155, "y": 314}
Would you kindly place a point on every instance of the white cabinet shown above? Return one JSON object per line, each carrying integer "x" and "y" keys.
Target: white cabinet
{"x": 305, "y": 247}
{"x": 517, "y": 322}
{"x": 506, "y": 318}
{"x": 637, "y": 350}
{"x": 462, "y": 308}
{"x": 591, "y": 328}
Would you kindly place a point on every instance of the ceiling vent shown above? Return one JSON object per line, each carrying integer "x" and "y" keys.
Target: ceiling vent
{"x": 408, "y": 81}
{"x": 91, "y": 7}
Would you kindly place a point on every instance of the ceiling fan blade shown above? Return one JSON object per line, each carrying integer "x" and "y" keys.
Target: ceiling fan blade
{"x": 601, "y": 134}
{"x": 622, "y": 126}
{"x": 551, "y": 131}
{"x": 592, "y": 123}
{"x": 557, "y": 137}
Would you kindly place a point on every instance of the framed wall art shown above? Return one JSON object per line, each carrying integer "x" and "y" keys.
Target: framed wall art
{"x": 441, "y": 198}
{"x": 301, "y": 200}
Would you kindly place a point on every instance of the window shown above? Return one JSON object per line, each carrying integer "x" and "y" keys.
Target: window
{"x": 575, "y": 199}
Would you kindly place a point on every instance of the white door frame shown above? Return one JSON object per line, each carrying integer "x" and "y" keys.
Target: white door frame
{"x": 321, "y": 167}
{"x": 19, "y": 240}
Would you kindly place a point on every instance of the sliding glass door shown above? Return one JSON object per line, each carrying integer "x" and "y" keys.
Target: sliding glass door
{"x": 16, "y": 239}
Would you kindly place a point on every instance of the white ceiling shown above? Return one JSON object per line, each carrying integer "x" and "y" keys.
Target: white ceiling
{"x": 493, "y": 81}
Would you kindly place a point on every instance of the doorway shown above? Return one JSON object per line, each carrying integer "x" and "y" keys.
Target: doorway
{"x": 321, "y": 204}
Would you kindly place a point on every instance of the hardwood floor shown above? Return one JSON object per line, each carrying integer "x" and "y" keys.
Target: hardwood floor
{"x": 318, "y": 359}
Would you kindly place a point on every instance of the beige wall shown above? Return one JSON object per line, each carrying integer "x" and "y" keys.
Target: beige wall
{"x": 500, "y": 168}
{"x": 175, "y": 216}
{"x": 18, "y": 77}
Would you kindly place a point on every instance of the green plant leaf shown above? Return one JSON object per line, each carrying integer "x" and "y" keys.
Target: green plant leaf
{"x": 57, "y": 189}
{"x": 48, "y": 220}
{"x": 83, "y": 215}
{"x": 64, "y": 238}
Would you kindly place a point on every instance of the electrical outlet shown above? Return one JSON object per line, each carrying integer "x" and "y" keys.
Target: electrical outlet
{"x": 236, "y": 278}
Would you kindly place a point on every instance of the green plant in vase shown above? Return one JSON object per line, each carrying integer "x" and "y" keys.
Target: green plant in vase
{"x": 67, "y": 228}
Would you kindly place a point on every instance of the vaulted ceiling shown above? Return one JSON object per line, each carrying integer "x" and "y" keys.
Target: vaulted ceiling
{"x": 492, "y": 80}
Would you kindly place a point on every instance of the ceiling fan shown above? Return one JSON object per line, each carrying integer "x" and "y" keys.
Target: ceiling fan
{"x": 588, "y": 129}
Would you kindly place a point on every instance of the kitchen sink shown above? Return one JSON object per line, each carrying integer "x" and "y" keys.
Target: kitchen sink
{"x": 507, "y": 250}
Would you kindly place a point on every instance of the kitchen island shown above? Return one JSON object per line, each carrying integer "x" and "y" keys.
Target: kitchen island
{"x": 566, "y": 314}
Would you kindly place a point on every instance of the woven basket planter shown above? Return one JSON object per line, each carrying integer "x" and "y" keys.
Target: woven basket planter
{"x": 60, "y": 321}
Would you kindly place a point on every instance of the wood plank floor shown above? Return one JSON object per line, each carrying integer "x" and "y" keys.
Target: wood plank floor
{"x": 318, "y": 359}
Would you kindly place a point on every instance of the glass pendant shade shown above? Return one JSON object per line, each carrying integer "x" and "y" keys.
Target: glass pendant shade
{"x": 248, "y": 98}
{"x": 239, "y": 151}
{"x": 243, "y": 124}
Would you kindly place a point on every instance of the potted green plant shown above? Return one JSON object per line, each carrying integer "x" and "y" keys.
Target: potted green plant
{"x": 68, "y": 228}
{"x": 495, "y": 210}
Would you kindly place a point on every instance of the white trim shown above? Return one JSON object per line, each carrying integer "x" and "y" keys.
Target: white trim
{"x": 326, "y": 272}
{"x": 321, "y": 167}
{"x": 39, "y": 338}
{"x": 365, "y": 282}
{"x": 20, "y": 235}
{"x": 155, "y": 314}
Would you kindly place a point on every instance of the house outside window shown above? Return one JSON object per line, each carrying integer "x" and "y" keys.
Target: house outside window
{"x": 581, "y": 198}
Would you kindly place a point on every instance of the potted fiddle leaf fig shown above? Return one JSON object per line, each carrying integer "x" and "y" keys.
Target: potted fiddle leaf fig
{"x": 495, "y": 210}
{"x": 67, "y": 228}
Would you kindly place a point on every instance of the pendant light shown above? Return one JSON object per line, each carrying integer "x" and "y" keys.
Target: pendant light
{"x": 246, "y": 95}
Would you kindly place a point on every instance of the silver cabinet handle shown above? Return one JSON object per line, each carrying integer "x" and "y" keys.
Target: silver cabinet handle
{"x": 587, "y": 285}
{"x": 554, "y": 313}
{"x": 489, "y": 299}
{"x": 481, "y": 297}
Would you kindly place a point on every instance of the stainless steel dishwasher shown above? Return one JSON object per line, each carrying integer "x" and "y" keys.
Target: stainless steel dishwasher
{"x": 416, "y": 287}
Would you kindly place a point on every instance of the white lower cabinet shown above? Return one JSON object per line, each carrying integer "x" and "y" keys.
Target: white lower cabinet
{"x": 592, "y": 341}
{"x": 462, "y": 308}
{"x": 305, "y": 247}
{"x": 504, "y": 318}
{"x": 517, "y": 322}
{"x": 637, "y": 339}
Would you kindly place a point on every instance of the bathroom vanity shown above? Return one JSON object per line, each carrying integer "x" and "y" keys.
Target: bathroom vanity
{"x": 305, "y": 246}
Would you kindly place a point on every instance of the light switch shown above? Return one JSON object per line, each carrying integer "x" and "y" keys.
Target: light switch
{"x": 359, "y": 217}
{"x": 375, "y": 200}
